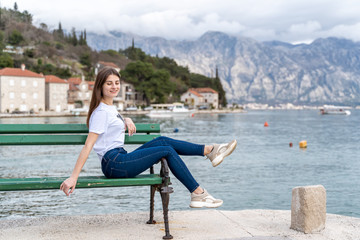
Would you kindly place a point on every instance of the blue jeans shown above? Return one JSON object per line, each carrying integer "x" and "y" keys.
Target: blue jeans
{"x": 117, "y": 163}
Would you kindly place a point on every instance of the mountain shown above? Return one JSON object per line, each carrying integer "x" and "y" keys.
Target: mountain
{"x": 325, "y": 71}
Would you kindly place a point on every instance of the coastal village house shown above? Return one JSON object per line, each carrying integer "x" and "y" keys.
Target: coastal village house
{"x": 21, "y": 90}
{"x": 27, "y": 91}
{"x": 198, "y": 97}
{"x": 128, "y": 97}
{"x": 79, "y": 94}
{"x": 56, "y": 94}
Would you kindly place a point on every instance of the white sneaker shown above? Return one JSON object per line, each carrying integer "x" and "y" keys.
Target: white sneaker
{"x": 220, "y": 151}
{"x": 204, "y": 200}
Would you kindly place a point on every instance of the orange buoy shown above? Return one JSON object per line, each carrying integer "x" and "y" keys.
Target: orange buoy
{"x": 266, "y": 124}
{"x": 290, "y": 144}
{"x": 303, "y": 144}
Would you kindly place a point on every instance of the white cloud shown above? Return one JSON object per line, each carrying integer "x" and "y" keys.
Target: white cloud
{"x": 291, "y": 21}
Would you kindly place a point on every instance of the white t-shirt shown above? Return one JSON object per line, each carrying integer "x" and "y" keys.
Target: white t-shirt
{"x": 108, "y": 123}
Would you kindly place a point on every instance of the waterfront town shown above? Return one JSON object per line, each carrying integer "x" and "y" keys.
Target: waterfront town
{"x": 24, "y": 91}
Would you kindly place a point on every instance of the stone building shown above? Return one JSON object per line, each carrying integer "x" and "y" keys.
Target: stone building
{"x": 56, "y": 93}
{"x": 79, "y": 94}
{"x": 21, "y": 90}
{"x": 201, "y": 97}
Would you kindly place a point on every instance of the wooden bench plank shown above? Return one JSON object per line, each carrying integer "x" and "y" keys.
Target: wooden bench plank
{"x": 20, "y": 184}
{"x": 65, "y": 128}
{"x": 64, "y": 139}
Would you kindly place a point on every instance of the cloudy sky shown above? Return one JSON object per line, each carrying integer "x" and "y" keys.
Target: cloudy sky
{"x": 295, "y": 21}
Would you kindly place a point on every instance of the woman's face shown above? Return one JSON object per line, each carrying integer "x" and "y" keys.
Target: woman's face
{"x": 111, "y": 87}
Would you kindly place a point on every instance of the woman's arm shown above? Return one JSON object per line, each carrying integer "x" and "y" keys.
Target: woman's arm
{"x": 129, "y": 124}
{"x": 70, "y": 183}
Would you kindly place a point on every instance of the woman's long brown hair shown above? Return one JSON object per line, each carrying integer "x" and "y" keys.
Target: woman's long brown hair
{"x": 103, "y": 74}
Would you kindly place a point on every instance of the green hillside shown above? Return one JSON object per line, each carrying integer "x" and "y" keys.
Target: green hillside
{"x": 66, "y": 54}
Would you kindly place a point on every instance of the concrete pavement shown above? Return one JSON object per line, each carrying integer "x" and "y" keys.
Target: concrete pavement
{"x": 192, "y": 224}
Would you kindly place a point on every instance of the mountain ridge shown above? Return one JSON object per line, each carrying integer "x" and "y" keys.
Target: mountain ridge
{"x": 327, "y": 71}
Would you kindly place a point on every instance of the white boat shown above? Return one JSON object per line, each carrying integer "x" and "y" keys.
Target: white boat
{"x": 170, "y": 110}
{"x": 78, "y": 111}
{"x": 335, "y": 110}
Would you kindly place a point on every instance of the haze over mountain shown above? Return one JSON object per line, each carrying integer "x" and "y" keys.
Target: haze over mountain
{"x": 327, "y": 71}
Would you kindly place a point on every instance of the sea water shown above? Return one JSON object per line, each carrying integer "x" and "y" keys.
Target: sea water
{"x": 260, "y": 173}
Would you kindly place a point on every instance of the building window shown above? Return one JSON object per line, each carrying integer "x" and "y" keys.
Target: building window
{"x": 23, "y": 95}
{"x": 11, "y": 106}
{"x": 80, "y": 95}
{"x": 23, "y": 107}
{"x": 84, "y": 87}
{"x": 87, "y": 95}
{"x": 54, "y": 96}
{"x": 35, "y": 106}
{"x": 35, "y": 83}
{"x": 11, "y": 82}
{"x": 35, "y": 95}
{"x": 23, "y": 83}
{"x": 11, "y": 95}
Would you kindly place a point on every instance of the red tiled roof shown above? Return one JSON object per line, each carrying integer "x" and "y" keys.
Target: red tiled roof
{"x": 54, "y": 79}
{"x": 91, "y": 85}
{"x": 76, "y": 81}
{"x": 110, "y": 64}
{"x": 18, "y": 72}
{"x": 73, "y": 87}
{"x": 204, "y": 90}
{"x": 195, "y": 93}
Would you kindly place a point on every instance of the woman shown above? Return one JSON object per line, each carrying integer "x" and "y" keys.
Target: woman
{"x": 106, "y": 137}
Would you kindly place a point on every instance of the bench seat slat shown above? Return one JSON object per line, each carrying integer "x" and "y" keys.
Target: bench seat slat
{"x": 19, "y": 184}
{"x": 65, "y": 128}
{"x": 64, "y": 139}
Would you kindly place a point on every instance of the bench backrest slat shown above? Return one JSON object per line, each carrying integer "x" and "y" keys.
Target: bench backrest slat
{"x": 64, "y": 128}
{"x": 64, "y": 139}
{"x": 64, "y": 134}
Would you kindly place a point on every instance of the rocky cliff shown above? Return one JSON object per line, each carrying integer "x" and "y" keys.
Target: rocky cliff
{"x": 325, "y": 71}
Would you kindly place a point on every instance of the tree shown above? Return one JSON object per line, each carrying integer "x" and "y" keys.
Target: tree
{"x": 73, "y": 38}
{"x": 2, "y": 38}
{"x": 44, "y": 27}
{"x": 155, "y": 85}
{"x": 59, "y": 32}
{"x": 135, "y": 54}
{"x": 15, "y": 38}
{"x": 82, "y": 39}
{"x": 15, "y": 7}
{"x": 6, "y": 60}
{"x": 85, "y": 59}
{"x": 161, "y": 85}
{"x": 85, "y": 42}
{"x": 26, "y": 17}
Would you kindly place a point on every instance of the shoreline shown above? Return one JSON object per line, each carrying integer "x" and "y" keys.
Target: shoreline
{"x": 190, "y": 224}
{"x": 84, "y": 114}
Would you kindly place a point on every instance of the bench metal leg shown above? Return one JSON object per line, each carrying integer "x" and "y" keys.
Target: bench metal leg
{"x": 152, "y": 195}
{"x": 165, "y": 195}
{"x": 165, "y": 202}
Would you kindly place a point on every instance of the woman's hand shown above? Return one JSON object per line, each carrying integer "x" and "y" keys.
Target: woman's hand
{"x": 68, "y": 186}
{"x": 129, "y": 124}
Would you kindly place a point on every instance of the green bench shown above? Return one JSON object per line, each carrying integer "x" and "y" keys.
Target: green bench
{"x": 75, "y": 134}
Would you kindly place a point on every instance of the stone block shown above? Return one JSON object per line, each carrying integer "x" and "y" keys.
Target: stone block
{"x": 308, "y": 208}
